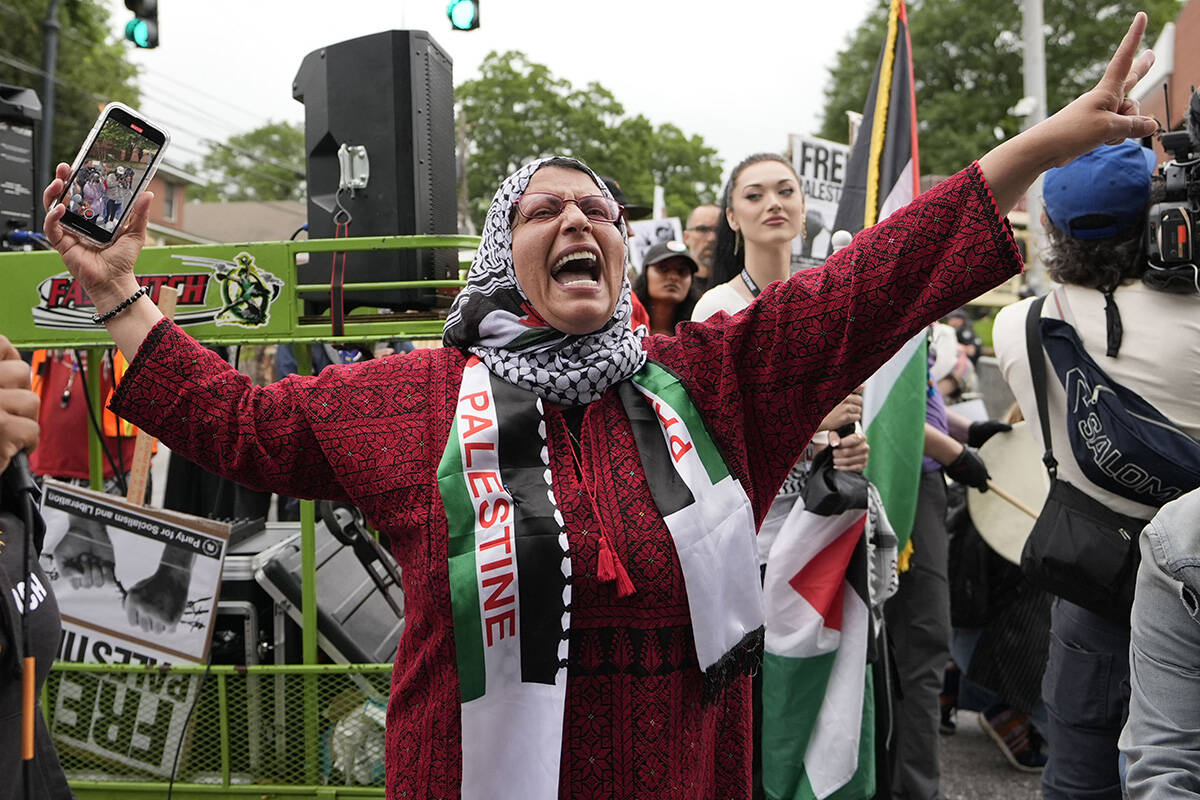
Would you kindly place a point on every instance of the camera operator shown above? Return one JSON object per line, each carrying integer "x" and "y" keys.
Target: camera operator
{"x": 19, "y": 432}
{"x": 1148, "y": 342}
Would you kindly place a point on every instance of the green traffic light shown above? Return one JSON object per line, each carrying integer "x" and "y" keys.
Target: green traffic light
{"x": 464, "y": 14}
{"x": 139, "y": 32}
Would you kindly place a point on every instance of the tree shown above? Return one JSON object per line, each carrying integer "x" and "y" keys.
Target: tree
{"x": 266, "y": 163}
{"x": 92, "y": 68}
{"x": 967, "y": 67}
{"x": 517, "y": 111}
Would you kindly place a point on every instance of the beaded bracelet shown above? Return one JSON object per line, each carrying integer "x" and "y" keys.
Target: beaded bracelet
{"x": 100, "y": 319}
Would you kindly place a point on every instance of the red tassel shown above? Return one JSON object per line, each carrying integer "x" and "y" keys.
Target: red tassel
{"x": 624, "y": 584}
{"x": 610, "y": 568}
{"x": 605, "y": 570}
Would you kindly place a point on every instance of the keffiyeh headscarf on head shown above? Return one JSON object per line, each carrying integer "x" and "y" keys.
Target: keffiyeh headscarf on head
{"x": 493, "y": 318}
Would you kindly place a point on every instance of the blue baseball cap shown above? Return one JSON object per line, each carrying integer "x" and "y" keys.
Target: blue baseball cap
{"x": 1102, "y": 192}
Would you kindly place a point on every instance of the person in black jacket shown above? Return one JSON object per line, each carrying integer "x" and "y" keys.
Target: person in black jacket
{"x": 19, "y": 432}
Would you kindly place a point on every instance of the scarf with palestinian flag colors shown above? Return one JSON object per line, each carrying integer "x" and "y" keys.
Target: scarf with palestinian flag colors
{"x": 510, "y": 565}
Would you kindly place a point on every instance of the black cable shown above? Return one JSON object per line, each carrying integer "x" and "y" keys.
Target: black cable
{"x": 117, "y": 473}
{"x": 303, "y": 227}
{"x": 187, "y": 721}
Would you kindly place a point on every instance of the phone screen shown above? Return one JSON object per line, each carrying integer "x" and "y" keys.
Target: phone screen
{"x": 111, "y": 174}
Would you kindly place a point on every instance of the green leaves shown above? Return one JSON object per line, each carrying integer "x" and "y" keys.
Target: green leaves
{"x": 92, "y": 68}
{"x": 266, "y": 163}
{"x": 518, "y": 110}
{"x": 967, "y": 66}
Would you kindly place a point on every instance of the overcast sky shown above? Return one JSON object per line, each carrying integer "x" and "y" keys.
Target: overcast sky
{"x": 741, "y": 74}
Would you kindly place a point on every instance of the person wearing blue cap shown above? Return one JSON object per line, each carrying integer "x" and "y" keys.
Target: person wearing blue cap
{"x": 1119, "y": 333}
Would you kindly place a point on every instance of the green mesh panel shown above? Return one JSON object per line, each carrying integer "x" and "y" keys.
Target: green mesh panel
{"x": 250, "y": 728}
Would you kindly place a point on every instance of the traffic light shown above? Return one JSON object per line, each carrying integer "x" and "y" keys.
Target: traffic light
{"x": 463, "y": 14}
{"x": 142, "y": 30}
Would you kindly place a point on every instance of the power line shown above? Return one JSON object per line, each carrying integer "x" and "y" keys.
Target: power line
{"x": 296, "y": 169}
{"x": 201, "y": 92}
{"x": 25, "y": 66}
{"x": 195, "y": 117}
{"x": 7, "y": 58}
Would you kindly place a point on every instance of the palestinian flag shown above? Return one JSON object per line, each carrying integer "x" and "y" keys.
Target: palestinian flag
{"x": 883, "y": 175}
{"x": 494, "y": 480}
{"x": 818, "y": 708}
{"x": 818, "y": 717}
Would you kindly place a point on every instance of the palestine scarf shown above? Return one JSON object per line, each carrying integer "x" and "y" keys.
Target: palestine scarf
{"x": 493, "y": 318}
{"x": 510, "y": 565}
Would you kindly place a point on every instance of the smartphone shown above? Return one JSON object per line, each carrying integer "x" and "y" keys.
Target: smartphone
{"x": 114, "y": 165}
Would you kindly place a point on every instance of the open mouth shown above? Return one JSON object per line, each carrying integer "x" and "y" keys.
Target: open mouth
{"x": 577, "y": 268}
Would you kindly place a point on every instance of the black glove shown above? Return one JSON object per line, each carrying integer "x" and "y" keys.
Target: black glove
{"x": 969, "y": 468}
{"x": 980, "y": 432}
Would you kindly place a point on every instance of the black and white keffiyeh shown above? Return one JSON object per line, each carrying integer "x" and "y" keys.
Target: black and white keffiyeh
{"x": 493, "y": 318}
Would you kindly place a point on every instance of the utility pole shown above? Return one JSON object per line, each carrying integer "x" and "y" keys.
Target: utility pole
{"x": 49, "y": 66}
{"x": 1034, "y": 69}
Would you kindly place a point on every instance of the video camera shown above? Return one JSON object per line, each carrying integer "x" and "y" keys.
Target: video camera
{"x": 1172, "y": 225}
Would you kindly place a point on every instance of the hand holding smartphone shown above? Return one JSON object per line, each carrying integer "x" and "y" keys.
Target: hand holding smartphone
{"x": 115, "y": 164}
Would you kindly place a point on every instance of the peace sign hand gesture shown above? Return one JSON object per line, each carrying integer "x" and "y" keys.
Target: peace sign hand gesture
{"x": 1105, "y": 115}
{"x": 1102, "y": 115}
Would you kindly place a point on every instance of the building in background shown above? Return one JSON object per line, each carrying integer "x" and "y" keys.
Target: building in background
{"x": 1176, "y": 64}
{"x": 167, "y": 216}
{"x": 246, "y": 221}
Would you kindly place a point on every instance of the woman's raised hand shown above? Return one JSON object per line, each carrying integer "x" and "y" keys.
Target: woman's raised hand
{"x": 1103, "y": 114}
{"x": 106, "y": 274}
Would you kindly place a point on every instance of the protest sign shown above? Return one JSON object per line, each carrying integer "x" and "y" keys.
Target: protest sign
{"x": 135, "y": 720}
{"x": 647, "y": 232}
{"x": 821, "y": 165}
{"x": 135, "y": 585}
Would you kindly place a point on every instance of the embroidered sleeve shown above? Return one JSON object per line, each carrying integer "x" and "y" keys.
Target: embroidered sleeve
{"x": 764, "y": 378}
{"x": 280, "y": 437}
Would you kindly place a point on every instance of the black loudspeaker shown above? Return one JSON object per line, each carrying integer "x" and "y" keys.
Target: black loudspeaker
{"x": 393, "y": 94}
{"x": 20, "y": 109}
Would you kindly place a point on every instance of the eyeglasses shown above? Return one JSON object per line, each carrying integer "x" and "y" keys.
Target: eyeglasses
{"x": 703, "y": 228}
{"x": 541, "y": 206}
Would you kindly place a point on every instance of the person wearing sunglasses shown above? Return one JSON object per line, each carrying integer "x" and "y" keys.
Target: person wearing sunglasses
{"x": 573, "y": 505}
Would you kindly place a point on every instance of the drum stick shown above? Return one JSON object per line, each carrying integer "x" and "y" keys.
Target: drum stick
{"x": 138, "y": 472}
{"x": 1003, "y": 495}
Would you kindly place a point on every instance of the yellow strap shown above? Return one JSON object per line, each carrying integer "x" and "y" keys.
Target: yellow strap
{"x": 902, "y": 561}
{"x": 883, "y": 96}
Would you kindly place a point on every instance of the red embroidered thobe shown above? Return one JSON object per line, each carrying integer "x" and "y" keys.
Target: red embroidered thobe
{"x": 373, "y": 434}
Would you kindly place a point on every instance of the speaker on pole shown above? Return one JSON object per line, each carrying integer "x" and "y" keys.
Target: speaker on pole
{"x": 392, "y": 94}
